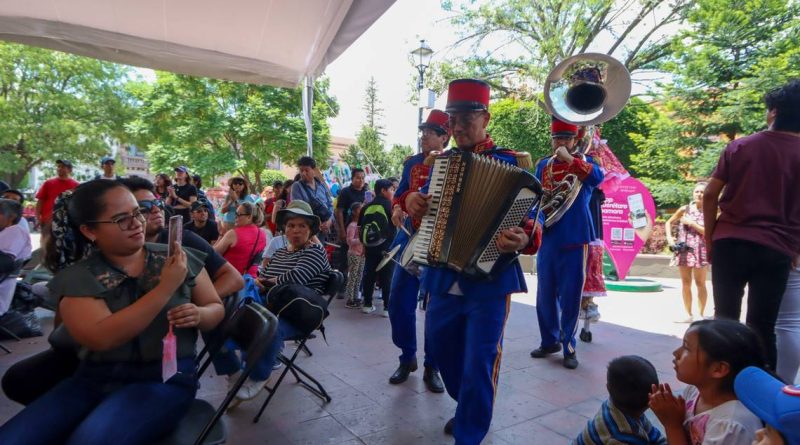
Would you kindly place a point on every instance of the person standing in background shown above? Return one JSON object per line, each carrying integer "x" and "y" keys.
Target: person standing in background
{"x": 182, "y": 194}
{"x": 47, "y": 194}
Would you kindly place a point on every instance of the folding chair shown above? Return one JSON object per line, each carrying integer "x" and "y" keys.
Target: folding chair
{"x": 334, "y": 285}
{"x": 214, "y": 340}
{"x": 253, "y": 328}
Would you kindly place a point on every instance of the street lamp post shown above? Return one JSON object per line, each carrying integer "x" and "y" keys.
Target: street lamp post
{"x": 422, "y": 57}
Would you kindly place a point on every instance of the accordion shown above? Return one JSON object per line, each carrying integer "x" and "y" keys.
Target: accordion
{"x": 473, "y": 199}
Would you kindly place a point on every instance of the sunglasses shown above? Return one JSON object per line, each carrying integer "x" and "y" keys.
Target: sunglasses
{"x": 148, "y": 205}
{"x": 125, "y": 222}
{"x": 243, "y": 214}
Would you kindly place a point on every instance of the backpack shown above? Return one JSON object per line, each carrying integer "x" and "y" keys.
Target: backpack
{"x": 374, "y": 221}
{"x": 300, "y": 305}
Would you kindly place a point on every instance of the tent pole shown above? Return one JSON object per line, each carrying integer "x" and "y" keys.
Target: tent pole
{"x": 308, "y": 102}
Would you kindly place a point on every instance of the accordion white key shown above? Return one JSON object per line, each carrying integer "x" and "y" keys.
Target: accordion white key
{"x": 473, "y": 199}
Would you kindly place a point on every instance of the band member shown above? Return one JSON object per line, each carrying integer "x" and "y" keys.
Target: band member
{"x": 561, "y": 261}
{"x": 405, "y": 286}
{"x": 466, "y": 317}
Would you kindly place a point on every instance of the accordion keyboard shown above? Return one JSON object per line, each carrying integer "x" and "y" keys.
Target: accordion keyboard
{"x": 426, "y": 227}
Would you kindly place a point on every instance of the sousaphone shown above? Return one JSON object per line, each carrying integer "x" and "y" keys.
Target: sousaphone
{"x": 586, "y": 90}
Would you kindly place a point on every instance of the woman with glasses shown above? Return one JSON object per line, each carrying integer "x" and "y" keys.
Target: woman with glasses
{"x": 119, "y": 297}
{"x": 243, "y": 245}
{"x": 238, "y": 194}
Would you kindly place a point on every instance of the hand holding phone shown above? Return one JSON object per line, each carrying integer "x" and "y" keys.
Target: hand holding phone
{"x": 175, "y": 238}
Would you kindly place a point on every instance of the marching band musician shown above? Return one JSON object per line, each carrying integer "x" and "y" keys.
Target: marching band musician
{"x": 561, "y": 260}
{"x": 466, "y": 316}
{"x": 405, "y": 286}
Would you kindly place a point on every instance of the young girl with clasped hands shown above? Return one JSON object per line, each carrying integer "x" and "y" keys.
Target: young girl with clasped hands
{"x": 712, "y": 354}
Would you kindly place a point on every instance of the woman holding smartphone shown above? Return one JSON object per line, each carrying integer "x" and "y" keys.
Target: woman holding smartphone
{"x": 119, "y": 298}
{"x": 690, "y": 254}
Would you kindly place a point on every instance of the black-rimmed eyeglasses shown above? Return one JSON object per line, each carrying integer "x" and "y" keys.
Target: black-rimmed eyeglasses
{"x": 125, "y": 222}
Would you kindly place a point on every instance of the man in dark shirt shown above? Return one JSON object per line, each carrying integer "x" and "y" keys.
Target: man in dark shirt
{"x": 201, "y": 224}
{"x": 756, "y": 236}
{"x": 182, "y": 193}
{"x": 355, "y": 192}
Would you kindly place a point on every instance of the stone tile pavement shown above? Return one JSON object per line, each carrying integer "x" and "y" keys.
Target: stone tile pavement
{"x": 538, "y": 401}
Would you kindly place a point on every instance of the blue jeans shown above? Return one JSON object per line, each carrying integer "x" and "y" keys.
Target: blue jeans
{"x": 114, "y": 403}
{"x": 226, "y": 362}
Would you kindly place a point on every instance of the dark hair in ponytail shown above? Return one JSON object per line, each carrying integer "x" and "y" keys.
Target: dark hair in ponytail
{"x": 731, "y": 342}
{"x": 74, "y": 208}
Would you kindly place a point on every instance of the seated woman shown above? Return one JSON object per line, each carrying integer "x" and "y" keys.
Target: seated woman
{"x": 302, "y": 262}
{"x": 243, "y": 245}
{"x": 118, "y": 301}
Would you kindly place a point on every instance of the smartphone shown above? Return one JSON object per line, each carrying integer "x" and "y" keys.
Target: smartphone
{"x": 175, "y": 233}
{"x": 636, "y": 208}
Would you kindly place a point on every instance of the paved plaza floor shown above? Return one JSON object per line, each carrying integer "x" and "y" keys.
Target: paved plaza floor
{"x": 538, "y": 401}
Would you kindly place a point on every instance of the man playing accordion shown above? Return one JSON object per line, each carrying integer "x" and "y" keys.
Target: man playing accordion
{"x": 466, "y": 316}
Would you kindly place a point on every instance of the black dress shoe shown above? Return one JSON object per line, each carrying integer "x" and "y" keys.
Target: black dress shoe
{"x": 542, "y": 351}
{"x": 432, "y": 380}
{"x": 401, "y": 375}
{"x": 570, "y": 361}
{"x": 448, "y": 427}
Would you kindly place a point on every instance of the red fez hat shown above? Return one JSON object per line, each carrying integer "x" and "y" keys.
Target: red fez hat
{"x": 438, "y": 121}
{"x": 561, "y": 128}
{"x": 467, "y": 95}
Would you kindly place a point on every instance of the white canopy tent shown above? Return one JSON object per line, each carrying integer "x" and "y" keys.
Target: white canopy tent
{"x": 275, "y": 42}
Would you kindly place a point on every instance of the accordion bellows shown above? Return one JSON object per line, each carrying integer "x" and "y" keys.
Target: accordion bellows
{"x": 473, "y": 199}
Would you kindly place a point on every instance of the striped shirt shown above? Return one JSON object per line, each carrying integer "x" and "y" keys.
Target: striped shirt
{"x": 610, "y": 426}
{"x": 308, "y": 266}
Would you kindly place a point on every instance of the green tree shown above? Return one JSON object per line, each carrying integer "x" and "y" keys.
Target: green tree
{"x": 525, "y": 126}
{"x": 372, "y": 107}
{"x": 368, "y": 151}
{"x": 215, "y": 126}
{"x": 55, "y": 105}
{"x": 515, "y": 43}
{"x": 732, "y": 53}
{"x": 395, "y": 158}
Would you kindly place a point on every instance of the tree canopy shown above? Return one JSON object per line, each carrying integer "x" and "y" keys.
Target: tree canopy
{"x": 56, "y": 105}
{"x": 215, "y": 126}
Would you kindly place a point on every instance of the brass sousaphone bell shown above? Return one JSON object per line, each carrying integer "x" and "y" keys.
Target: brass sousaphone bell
{"x": 585, "y": 90}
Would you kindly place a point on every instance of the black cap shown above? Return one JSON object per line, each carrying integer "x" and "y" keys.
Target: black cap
{"x": 14, "y": 191}
{"x": 3, "y": 186}
{"x": 65, "y": 162}
{"x": 182, "y": 168}
{"x": 199, "y": 205}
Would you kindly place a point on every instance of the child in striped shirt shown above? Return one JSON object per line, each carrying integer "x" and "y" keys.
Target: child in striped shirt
{"x": 621, "y": 418}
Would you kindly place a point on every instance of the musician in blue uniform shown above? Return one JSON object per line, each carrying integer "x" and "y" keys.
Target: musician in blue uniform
{"x": 561, "y": 261}
{"x": 405, "y": 286}
{"x": 466, "y": 316}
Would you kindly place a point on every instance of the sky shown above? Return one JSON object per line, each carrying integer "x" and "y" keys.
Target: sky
{"x": 383, "y": 52}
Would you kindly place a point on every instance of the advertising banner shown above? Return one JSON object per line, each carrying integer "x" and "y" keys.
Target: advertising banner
{"x": 628, "y": 214}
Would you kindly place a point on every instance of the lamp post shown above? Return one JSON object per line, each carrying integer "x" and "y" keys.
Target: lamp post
{"x": 422, "y": 57}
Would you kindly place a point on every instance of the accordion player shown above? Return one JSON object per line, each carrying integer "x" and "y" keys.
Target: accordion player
{"x": 474, "y": 198}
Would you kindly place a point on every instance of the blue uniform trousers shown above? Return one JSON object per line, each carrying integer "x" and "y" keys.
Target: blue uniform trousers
{"x": 403, "y": 311}
{"x": 561, "y": 275}
{"x": 466, "y": 335}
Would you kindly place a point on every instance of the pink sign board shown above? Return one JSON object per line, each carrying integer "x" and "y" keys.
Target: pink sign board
{"x": 628, "y": 214}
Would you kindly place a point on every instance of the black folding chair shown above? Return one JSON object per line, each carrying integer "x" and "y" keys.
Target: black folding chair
{"x": 214, "y": 340}
{"x": 334, "y": 285}
{"x": 253, "y": 328}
